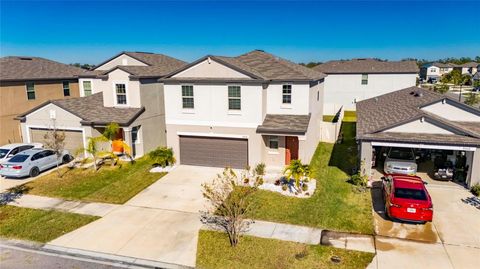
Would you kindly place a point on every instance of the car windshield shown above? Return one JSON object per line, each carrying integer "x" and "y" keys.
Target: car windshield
{"x": 3, "y": 153}
{"x": 19, "y": 158}
{"x": 410, "y": 194}
{"x": 401, "y": 154}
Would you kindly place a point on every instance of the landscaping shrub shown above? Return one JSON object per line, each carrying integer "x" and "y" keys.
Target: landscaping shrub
{"x": 260, "y": 169}
{"x": 475, "y": 189}
{"x": 162, "y": 156}
{"x": 359, "y": 180}
{"x": 304, "y": 187}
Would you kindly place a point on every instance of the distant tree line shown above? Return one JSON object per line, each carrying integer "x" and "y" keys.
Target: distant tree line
{"x": 83, "y": 66}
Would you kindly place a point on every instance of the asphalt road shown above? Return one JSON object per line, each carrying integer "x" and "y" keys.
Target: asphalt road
{"x": 13, "y": 258}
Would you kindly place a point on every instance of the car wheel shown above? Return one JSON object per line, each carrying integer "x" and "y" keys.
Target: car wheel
{"x": 66, "y": 159}
{"x": 34, "y": 172}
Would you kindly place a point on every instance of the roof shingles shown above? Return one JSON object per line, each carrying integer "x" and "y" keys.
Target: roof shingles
{"x": 369, "y": 66}
{"x": 284, "y": 124}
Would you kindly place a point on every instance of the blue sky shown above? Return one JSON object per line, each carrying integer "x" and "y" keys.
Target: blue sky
{"x": 91, "y": 31}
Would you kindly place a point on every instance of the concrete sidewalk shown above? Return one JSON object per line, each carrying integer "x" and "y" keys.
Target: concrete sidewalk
{"x": 48, "y": 203}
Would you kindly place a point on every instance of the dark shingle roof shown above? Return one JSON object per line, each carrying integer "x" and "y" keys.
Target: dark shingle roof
{"x": 357, "y": 66}
{"x": 284, "y": 124}
{"x": 383, "y": 112}
{"x": 262, "y": 66}
{"x": 158, "y": 65}
{"x": 35, "y": 68}
{"x": 91, "y": 110}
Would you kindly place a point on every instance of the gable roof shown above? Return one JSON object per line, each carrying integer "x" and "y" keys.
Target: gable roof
{"x": 19, "y": 68}
{"x": 260, "y": 65}
{"x": 369, "y": 66}
{"x": 158, "y": 65}
{"x": 91, "y": 110}
{"x": 470, "y": 64}
{"x": 384, "y": 112}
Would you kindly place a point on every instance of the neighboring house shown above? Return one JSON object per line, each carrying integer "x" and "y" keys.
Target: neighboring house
{"x": 123, "y": 89}
{"x": 244, "y": 110}
{"x": 26, "y": 82}
{"x": 476, "y": 77}
{"x": 421, "y": 119}
{"x": 432, "y": 72}
{"x": 351, "y": 81}
{"x": 469, "y": 68}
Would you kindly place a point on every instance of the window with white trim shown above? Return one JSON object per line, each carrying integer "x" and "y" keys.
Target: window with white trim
{"x": 234, "y": 98}
{"x": 364, "y": 79}
{"x": 121, "y": 92}
{"x": 187, "y": 96}
{"x": 287, "y": 94}
{"x": 87, "y": 88}
{"x": 30, "y": 90}
{"x": 273, "y": 142}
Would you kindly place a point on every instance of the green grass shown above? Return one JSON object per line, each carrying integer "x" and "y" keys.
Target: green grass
{"x": 334, "y": 205}
{"x": 214, "y": 252}
{"x": 38, "y": 225}
{"x": 109, "y": 184}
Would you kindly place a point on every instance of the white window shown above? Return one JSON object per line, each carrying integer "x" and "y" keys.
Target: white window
{"x": 30, "y": 90}
{"x": 187, "y": 96}
{"x": 121, "y": 92}
{"x": 234, "y": 98}
{"x": 364, "y": 79}
{"x": 433, "y": 70}
{"x": 273, "y": 142}
{"x": 66, "y": 88}
{"x": 87, "y": 88}
{"x": 287, "y": 94}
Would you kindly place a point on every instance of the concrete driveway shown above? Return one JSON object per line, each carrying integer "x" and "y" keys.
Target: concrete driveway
{"x": 159, "y": 224}
{"x": 452, "y": 240}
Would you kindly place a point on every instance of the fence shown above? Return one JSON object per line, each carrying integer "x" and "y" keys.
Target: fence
{"x": 329, "y": 131}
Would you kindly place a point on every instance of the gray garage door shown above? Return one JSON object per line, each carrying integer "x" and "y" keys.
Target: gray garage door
{"x": 73, "y": 139}
{"x": 214, "y": 151}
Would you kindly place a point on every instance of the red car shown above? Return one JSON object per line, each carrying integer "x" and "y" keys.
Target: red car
{"x": 406, "y": 198}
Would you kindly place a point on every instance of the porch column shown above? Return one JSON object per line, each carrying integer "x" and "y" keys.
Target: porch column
{"x": 474, "y": 169}
{"x": 127, "y": 133}
{"x": 366, "y": 158}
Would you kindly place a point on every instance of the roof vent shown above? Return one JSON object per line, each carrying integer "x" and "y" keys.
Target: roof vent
{"x": 144, "y": 52}
{"x": 412, "y": 92}
{"x": 25, "y": 59}
{"x": 260, "y": 50}
{"x": 418, "y": 94}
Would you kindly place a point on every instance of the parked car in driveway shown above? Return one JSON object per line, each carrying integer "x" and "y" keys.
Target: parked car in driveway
{"x": 400, "y": 161}
{"x": 407, "y": 199}
{"x": 10, "y": 150}
{"x": 31, "y": 163}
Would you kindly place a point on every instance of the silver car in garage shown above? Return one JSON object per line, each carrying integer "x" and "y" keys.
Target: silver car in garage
{"x": 400, "y": 161}
{"x": 31, "y": 162}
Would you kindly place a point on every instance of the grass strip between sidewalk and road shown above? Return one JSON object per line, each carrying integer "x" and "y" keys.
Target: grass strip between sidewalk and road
{"x": 37, "y": 224}
{"x": 214, "y": 252}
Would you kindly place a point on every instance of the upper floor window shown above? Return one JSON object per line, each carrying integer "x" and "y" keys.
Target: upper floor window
{"x": 364, "y": 79}
{"x": 287, "y": 94}
{"x": 66, "y": 88}
{"x": 121, "y": 91}
{"x": 187, "y": 96}
{"x": 30, "y": 90}
{"x": 87, "y": 88}
{"x": 273, "y": 142}
{"x": 234, "y": 98}
{"x": 433, "y": 70}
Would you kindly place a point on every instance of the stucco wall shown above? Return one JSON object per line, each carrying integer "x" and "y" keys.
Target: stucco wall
{"x": 451, "y": 112}
{"x": 300, "y": 99}
{"x": 346, "y": 89}
{"x": 273, "y": 157}
{"x": 210, "y": 69}
{"x": 120, "y": 60}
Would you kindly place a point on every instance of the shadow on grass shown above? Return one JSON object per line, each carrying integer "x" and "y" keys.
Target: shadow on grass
{"x": 344, "y": 154}
{"x": 13, "y": 193}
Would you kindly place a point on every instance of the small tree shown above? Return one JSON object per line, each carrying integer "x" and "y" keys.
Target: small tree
{"x": 162, "y": 156}
{"x": 456, "y": 78}
{"x": 230, "y": 204}
{"x": 296, "y": 171}
{"x": 92, "y": 149}
{"x": 472, "y": 99}
{"x": 55, "y": 140}
{"x": 442, "y": 88}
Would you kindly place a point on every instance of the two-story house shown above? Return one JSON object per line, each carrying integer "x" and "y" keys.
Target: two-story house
{"x": 124, "y": 89}
{"x": 432, "y": 72}
{"x": 469, "y": 68}
{"x": 238, "y": 111}
{"x": 350, "y": 81}
{"x": 26, "y": 82}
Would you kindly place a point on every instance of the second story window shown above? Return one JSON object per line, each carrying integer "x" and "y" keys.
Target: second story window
{"x": 234, "y": 98}
{"x": 287, "y": 94}
{"x": 66, "y": 88}
{"x": 433, "y": 70}
{"x": 30, "y": 90}
{"x": 87, "y": 88}
{"x": 121, "y": 92}
{"x": 187, "y": 96}
{"x": 364, "y": 79}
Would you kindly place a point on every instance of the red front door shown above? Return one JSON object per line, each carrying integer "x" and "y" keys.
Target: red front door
{"x": 291, "y": 149}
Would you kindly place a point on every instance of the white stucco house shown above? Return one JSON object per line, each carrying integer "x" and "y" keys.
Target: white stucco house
{"x": 350, "y": 81}
{"x": 239, "y": 111}
{"x": 431, "y": 72}
{"x": 123, "y": 89}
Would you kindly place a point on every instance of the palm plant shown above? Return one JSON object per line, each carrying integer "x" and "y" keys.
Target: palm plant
{"x": 163, "y": 156}
{"x": 296, "y": 171}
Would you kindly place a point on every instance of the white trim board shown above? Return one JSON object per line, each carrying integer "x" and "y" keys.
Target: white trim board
{"x": 422, "y": 146}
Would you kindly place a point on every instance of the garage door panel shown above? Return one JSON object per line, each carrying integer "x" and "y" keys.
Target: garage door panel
{"x": 214, "y": 151}
{"x": 73, "y": 139}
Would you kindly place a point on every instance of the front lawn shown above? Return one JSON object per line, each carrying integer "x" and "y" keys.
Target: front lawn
{"x": 214, "y": 251}
{"x": 38, "y": 225}
{"x": 108, "y": 185}
{"x": 334, "y": 205}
